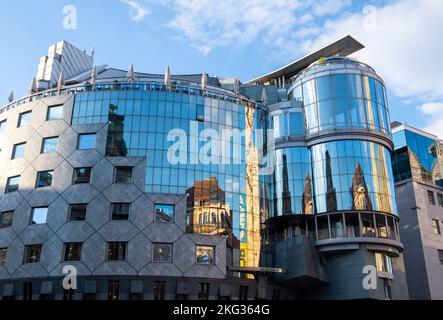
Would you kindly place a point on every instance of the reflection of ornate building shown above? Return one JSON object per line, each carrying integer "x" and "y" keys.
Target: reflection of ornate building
{"x": 286, "y": 194}
{"x": 331, "y": 197}
{"x": 207, "y": 211}
{"x": 307, "y": 204}
{"x": 116, "y": 144}
{"x": 359, "y": 192}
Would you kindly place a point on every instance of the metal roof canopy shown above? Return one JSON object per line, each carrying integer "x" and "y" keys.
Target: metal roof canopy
{"x": 343, "y": 47}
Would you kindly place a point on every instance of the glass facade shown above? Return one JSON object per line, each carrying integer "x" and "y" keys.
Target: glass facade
{"x": 417, "y": 156}
{"x": 223, "y": 196}
{"x": 342, "y": 99}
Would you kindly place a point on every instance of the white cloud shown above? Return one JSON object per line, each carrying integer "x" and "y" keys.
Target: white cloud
{"x": 138, "y": 10}
{"x": 403, "y": 44}
{"x": 434, "y": 117}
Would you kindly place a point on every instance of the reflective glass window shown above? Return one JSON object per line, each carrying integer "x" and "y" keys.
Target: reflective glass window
{"x": 6, "y": 219}
{"x": 120, "y": 211}
{"x": 18, "y": 151}
{"x": 296, "y": 123}
{"x": 2, "y": 126}
{"x": 24, "y": 119}
{"x": 86, "y": 141}
{"x": 204, "y": 254}
{"x": 116, "y": 251}
{"x": 323, "y": 87}
{"x": 12, "y": 184}
{"x": 339, "y": 85}
{"x": 77, "y": 212}
{"x": 162, "y": 252}
{"x": 49, "y": 145}
{"x": 39, "y": 215}
{"x": 73, "y": 251}
{"x": 33, "y": 253}
{"x": 164, "y": 213}
{"x": 82, "y": 175}
{"x": 55, "y": 112}
{"x": 44, "y": 179}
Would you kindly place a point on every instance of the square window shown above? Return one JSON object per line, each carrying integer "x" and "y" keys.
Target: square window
{"x": 77, "y": 212}
{"x": 164, "y": 213}
{"x": 3, "y": 252}
{"x": 431, "y": 197}
{"x": 2, "y": 126}
{"x": 39, "y": 215}
{"x": 205, "y": 255}
{"x": 73, "y": 251}
{"x": 162, "y": 252}
{"x": 33, "y": 253}
{"x": 24, "y": 119}
{"x": 123, "y": 174}
{"x": 116, "y": 251}
{"x": 440, "y": 199}
{"x": 120, "y": 211}
{"x": 55, "y": 113}
{"x": 86, "y": 141}
{"x": 44, "y": 179}
{"x": 82, "y": 175}
{"x": 436, "y": 227}
{"x": 383, "y": 262}
{"x": 49, "y": 145}
{"x": 12, "y": 184}
{"x": 18, "y": 151}
{"x": 6, "y": 219}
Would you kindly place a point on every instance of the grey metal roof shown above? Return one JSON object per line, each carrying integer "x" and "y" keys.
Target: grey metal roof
{"x": 343, "y": 47}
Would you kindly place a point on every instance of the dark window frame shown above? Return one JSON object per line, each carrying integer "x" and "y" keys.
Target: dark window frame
{"x": 120, "y": 216}
{"x": 14, "y": 151}
{"x": 71, "y": 206}
{"x": 211, "y": 261}
{"x": 78, "y": 179}
{"x": 11, "y": 219}
{"x": 8, "y": 184}
{"x": 37, "y": 180}
{"x": 20, "y": 118}
{"x": 48, "y": 112}
{"x": 77, "y": 256}
{"x": 86, "y": 134}
{"x": 154, "y": 244}
{"x": 109, "y": 255}
{"x": 32, "y": 215}
{"x": 164, "y": 204}
{"x": 37, "y": 248}
{"x": 42, "y": 149}
{"x": 116, "y": 177}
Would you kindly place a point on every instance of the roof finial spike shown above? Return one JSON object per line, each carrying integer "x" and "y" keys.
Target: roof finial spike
{"x": 167, "y": 80}
{"x": 204, "y": 81}
{"x": 33, "y": 86}
{"x": 130, "y": 75}
{"x": 236, "y": 86}
{"x": 11, "y": 96}
{"x": 61, "y": 80}
{"x": 264, "y": 97}
{"x": 94, "y": 75}
{"x": 93, "y": 53}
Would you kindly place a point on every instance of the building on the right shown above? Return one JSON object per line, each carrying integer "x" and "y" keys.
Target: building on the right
{"x": 418, "y": 175}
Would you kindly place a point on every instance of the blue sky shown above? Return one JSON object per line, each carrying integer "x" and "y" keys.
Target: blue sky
{"x": 227, "y": 38}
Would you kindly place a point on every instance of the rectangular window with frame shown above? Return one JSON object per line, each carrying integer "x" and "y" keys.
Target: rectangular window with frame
{"x": 431, "y": 197}
{"x": 3, "y": 252}
{"x": 73, "y": 251}
{"x": 204, "y": 254}
{"x": 12, "y": 184}
{"x": 383, "y": 262}
{"x": 6, "y": 218}
{"x": 49, "y": 145}
{"x": 116, "y": 251}
{"x": 123, "y": 174}
{"x": 55, "y": 112}
{"x": 27, "y": 291}
{"x": 159, "y": 290}
{"x": 82, "y": 175}
{"x": 33, "y": 253}
{"x": 44, "y": 179}
{"x": 18, "y": 151}
{"x": 2, "y": 126}
{"x": 120, "y": 211}
{"x": 113, "y": 290}
{"x": 436, "y": 227}
{"x": 77, "y": 212}
{"x": 203, "y": 291}
{"x": 162, "y": 252}
{"x": 164, "y": 213}
{"x": 39, "y": 215}
{"x": 440, "y": 199}
{"x": 440, "y": 255}
{"x": 243, "y": 294}
{"x": 86, "y": 141}
{"x": 24, "y": 119}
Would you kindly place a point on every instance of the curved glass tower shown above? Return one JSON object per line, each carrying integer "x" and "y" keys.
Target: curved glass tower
{"x": 151, "y": 186}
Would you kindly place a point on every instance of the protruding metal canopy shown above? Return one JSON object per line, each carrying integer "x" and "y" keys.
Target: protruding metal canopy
{"x": 343, "y": 47}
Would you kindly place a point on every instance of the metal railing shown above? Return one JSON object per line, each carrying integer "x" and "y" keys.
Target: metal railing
{"x": 210, "y": 92}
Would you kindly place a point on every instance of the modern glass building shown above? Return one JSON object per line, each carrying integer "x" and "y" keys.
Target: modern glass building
{"x": 418, "y": 168}
{"x": 152, "y": 186}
